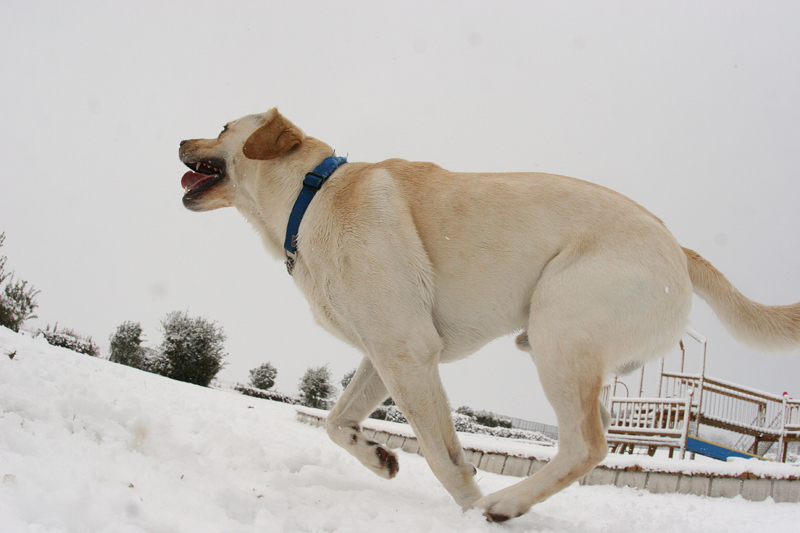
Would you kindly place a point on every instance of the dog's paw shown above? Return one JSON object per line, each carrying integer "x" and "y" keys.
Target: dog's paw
{"x": 388, "y": 461}
{"x": 387, "y": 465}
{"x": 497, "y": 509}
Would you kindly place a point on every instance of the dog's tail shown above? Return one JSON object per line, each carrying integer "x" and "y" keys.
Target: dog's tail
{"x": 771, "y": 327}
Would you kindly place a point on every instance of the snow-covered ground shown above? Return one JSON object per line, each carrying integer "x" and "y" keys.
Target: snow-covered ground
{"x": 92, "y": 446}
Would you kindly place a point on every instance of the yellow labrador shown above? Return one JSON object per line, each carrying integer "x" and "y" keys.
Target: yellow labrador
{"x": 417, "y": 266}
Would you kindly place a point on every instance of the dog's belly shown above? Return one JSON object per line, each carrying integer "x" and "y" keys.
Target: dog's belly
{"x": 470, "y": 314}
{"x": 476, "y": 305}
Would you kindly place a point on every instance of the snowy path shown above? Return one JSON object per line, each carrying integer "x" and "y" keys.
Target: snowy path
{"x": 91, "y": 446}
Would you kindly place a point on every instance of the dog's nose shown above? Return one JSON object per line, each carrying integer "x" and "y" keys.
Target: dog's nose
{"x": 184, "y": 142}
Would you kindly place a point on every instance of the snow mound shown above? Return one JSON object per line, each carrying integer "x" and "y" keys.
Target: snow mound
{"x": 91, "y": 446}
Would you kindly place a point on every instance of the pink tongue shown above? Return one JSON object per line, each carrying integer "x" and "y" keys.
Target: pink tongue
{"x": 191, "y": 179}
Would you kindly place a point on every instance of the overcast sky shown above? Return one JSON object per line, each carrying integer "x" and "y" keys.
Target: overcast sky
{"x": 690, "y": 108}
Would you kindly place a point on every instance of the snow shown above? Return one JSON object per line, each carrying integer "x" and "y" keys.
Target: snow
{"x": 92, "y": 446}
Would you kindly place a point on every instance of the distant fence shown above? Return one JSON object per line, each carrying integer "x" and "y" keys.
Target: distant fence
{"x": 544, "y": 429}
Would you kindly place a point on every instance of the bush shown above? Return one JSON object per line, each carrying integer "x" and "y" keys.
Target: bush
{"x": 485, "y": 418}
{"x": 316, "y": 387}
{"x": 468, "y": 424}
{"x": 263, "y": 377}
{"x": 126, "y": 345}
{"x": 267, "y": 395}
{"x": 67, "y": 338}
{"x": 192, "y": 349}
{"x": 17, "y": 301}
{"x": 153, "y": 362}
{"x": 390, "y": 413}
{"x": 348, "y": 378}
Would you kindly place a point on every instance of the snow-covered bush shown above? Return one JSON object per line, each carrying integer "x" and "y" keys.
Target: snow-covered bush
{"x": 469, "y": 424}
{"x": 390, "y": 413}
{"x": 485, "y": 418}
{"x": 67, "y": 338}
{"x": 263, "y": 377}
{"x": 126, "y": 345}
{"x": 316, "y": 388}
{"x": 347, "y": 378}
{"x": 465, "y": 424}
{"x": 17, "y": 300}
{"x": 192, "y": 349}
{"x": 268, "y": 394}
{"x": 152, "y": 361}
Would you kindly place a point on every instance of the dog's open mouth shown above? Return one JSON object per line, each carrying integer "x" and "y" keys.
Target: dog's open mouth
{"x": 202, "y": 176}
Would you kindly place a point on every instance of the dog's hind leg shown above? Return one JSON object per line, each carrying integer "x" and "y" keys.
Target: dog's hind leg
{"x": 360, "y": 398}
{"x": 572, "y": 384}
{"x": 590, "y": 313}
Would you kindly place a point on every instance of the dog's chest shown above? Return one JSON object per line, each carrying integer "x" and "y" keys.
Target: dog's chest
{"x": 322, "y": 303}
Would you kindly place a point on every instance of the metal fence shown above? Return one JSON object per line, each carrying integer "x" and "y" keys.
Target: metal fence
{"x": 544, "y": 429}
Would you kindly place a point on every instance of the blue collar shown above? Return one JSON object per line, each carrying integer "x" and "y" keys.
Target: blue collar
{"x": 311, "y": 184}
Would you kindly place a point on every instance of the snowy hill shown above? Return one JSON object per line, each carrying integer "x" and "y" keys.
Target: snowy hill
{"x": 92, "y": 446}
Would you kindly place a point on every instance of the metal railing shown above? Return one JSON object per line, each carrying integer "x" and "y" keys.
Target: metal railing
{"x": 650, "y": 421}
{"x": 545, "y": 429}
{"x": 728, "y": 405}
{"x": 792, "y": 415}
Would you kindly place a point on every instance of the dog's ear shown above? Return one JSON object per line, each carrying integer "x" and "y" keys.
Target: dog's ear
{"x": 273, "y": 139}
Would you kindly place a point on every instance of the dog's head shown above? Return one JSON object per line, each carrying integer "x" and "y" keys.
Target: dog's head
{"x": 219, "y": 168}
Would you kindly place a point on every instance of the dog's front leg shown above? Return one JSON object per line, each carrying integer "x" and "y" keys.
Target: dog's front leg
{"x": 360, "y": 398}
{"x": 417, "y": 390}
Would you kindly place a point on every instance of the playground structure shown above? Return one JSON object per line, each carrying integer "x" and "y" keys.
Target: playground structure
{"x": 766, "y": 423}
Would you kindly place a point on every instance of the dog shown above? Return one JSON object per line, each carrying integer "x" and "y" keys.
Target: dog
{"x": 417, "y": 266}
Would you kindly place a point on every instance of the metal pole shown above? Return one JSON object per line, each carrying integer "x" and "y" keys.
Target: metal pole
{"x": 702, "y": 340}
{"x": 781, "y": 454}
{"x": 641, "y": 381}
{"x": 687, "y": 417}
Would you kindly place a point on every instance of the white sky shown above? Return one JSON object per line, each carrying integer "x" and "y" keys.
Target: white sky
{"x": 691, "y": 109}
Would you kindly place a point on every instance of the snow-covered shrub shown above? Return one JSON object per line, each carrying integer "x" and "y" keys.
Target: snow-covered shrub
{"x": 263, "y": 377}
{"x": 390, "y": 413}
{"x": 485, "y": 418}
{"x": 316, "y": 387}
{"x": 469, "y": 424}
{"x": 465, "y": 424}
{"x": 192, "y": 349}
{"x": 17, "y": 300}
{"x": 152, "y": 361}
{"x": 67, "y": 338}
{"x": 347, "y": 378}
{"x": 268, "y": 394}
{"x": 126, "y": 345}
